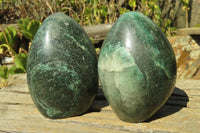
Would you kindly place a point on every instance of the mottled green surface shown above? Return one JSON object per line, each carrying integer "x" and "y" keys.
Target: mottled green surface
{"x": 62, "y": 68}
{"x": 137, "y": 67}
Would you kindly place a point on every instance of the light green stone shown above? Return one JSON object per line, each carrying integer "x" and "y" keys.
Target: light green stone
{"x": 137, "y": 67}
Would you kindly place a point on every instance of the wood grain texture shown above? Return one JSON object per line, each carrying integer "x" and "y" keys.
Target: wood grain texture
{"x": 188, "y": 31}
{"x": 96, "y": 32}
{"x": 181, "y": 113}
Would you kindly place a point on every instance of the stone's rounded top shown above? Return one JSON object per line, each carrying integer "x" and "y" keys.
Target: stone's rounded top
{"x": 137, "y": 35}
{"x": 61, "y": 17}
{"x": 134, "y": 27}
{"x": 133, "y": 14}
{"x": 56, "y": 29}
{"x": 56, "y": 23}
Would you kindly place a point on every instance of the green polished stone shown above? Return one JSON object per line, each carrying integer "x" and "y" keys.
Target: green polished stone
{"x": 62, "y": 68}
{"x": 137, "y": 67}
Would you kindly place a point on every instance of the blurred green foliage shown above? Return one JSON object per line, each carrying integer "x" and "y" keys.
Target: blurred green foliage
{"x": 90, "y": 12}
{"x": 28, "y": 29}
{"x": 186, "y": 2}
{"x": 186, "y": 8}
{"x": 10, "y": 34}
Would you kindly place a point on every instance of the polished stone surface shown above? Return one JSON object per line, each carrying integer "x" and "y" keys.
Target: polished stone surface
{"x": 137, "y": 67}
{"x": 62, "y": 68}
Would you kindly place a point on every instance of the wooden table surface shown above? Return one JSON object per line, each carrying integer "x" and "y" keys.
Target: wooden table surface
{"x": 180, "y": 114}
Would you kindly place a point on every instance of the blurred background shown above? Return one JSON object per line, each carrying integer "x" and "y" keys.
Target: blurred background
{"x": 168, "y": 14}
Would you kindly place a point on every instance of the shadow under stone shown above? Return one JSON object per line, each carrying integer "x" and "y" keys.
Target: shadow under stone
{"x": 99, "y": 102}
{"x": 175, "y": 103}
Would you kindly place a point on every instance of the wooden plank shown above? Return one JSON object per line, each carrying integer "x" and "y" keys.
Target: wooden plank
{"x": 188, "y": 31}
{"x": 96, "y": 32}
{"x": 181, "y": 113}
{"x": 99, "y": 32}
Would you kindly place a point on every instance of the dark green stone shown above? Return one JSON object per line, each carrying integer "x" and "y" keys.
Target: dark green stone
{"x": 137, "y": 67}
{"x": 62, "y": 68}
